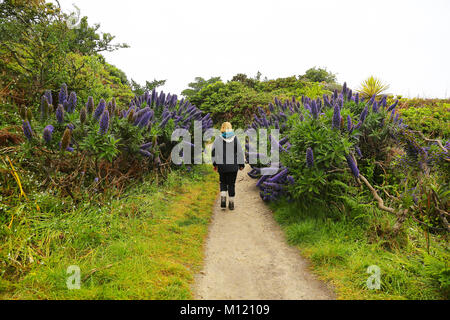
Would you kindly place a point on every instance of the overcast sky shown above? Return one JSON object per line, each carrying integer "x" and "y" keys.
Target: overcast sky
{"x": 406, "y": 43}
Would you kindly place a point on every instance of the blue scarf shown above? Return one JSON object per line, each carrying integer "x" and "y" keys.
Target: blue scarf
{"x": 228, "y": 134}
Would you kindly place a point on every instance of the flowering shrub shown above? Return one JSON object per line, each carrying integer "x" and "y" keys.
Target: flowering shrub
{"x": 330, "y": 146}
{"x": 134, "y": 138}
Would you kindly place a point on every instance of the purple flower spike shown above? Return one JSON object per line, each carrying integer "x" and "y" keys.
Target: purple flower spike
{"x": 336, "y": 122}
{"x": 48, "y": 131}
{"x": 358, "y": 151}
{"x": 100, "y": 108}
{"x": 60, "y": 113}
{"x": 375, "y": 107}
{"x": 364, "y": 114}
{"x": 392, "y": 115}
{"x": 72, "y": 101}
{"x": 392, "y": 106}
{"x": 309, "y": 157}
{"x": 146, "y": 145}
{"x": 383, "y": 101}
{"x": 349, "y": 123}
{"x": 314, "y": 111}
{"x": 48, "y": 95}
{"x": 145, "y": 119}
{"x": 27, "y": 129}
{"x": 352, "y": 165}
{"x": 396, "y": 118}
{"x": 104, "y": 122}
{"x": 62, "y": 94}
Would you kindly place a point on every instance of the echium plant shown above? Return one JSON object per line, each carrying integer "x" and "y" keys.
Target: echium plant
{"x": 90, "y": 105}
{"x": 334, "y": 149}
{"x": 62, "y": 97}
{"x": 100, "y": 108}
{"x": 107, "y": 131}
{"x": 47, "y": 134}
{"x": 72, "y": 102}
{"x": 104, "y": 122}
{"x": 59, "y": 114}
{"x": 26, "y": 127}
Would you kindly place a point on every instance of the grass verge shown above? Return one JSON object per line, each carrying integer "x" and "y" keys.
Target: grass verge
{"x": 341, "y": 247}
{"x": 146, "y": 245}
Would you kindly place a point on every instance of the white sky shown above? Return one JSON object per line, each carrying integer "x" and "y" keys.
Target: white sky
{"x": 406, "y": 43}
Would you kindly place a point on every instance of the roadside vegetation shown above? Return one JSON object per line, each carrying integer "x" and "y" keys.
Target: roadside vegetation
{"x": 237, "y": 100}
{"x": 358, "y": 187}
{"x": 87, "y": 177}
{"x": 143, "y": 243}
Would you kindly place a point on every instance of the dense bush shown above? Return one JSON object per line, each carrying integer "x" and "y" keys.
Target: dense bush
{"x": 72, "y": 143}
{"x": 432, "y": 121}
{"x": 331, "y": 146}
{"x": 38, "y": 50}
{"x": 319, "y": 75}
{"x": 236, "y": 101}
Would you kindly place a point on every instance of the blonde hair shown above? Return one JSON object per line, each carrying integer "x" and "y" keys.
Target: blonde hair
{"x": 225, "y": 127}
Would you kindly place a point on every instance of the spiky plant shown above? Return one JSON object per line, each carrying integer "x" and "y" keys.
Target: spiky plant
{"x": 65, "y": 141}
{"x": 372, "y": 86}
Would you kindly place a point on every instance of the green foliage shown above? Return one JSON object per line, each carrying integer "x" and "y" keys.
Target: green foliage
{"x": 86, "y": 39}
{"x": 113, "y": 233}
{"x": 342, "y": 242}
{"x": 372, "y": 86}
{"x": 101, "y": 146}
{"x": 319, "y": 75}
{"x": 38, "y": 51}
{"x": 329, "y": 147}
{"x": 244, "y": 79}
{"x": 149, "y": 86}
{"x": 237, "y": 100}
{"x": 432, "y": 121}
{"x": 198, "y": 84}
{"x": 93, "y": 76}
{"x": 329, "y": 179}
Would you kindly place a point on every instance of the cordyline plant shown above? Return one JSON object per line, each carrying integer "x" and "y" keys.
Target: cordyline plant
{"x": 372, "y": 86}
{"x": 321, "y": 140}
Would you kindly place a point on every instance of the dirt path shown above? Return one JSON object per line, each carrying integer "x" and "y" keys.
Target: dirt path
{"x": 246, "y": 255}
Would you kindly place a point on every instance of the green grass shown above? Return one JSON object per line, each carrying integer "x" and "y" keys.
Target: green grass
{"x": 147, "y": 244}
{"x": 342, "y": 246}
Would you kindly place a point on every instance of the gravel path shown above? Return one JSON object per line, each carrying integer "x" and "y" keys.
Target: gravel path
{"x": 247, "y": 257}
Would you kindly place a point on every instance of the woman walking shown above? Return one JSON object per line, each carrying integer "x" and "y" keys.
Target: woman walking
{"x": 227, "y": 158}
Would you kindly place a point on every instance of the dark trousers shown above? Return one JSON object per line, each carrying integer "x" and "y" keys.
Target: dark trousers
{"x": 227, "y": 182}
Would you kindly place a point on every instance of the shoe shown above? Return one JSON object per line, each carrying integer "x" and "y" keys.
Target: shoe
{"x": 223, "y": 202}
{"x": 231, "y": 205}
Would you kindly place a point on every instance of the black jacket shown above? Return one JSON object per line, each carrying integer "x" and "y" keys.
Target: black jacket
{"x": 227, "y": 154}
